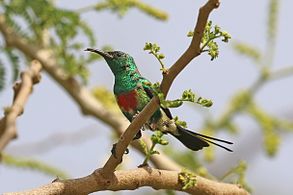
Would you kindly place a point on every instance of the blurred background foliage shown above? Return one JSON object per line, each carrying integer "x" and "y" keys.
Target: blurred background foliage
{"x": 61, "y": 34}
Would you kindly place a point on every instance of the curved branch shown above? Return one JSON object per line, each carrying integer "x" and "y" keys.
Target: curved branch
{"x": 131, "y": 180}
{"x": 22, "y": 90}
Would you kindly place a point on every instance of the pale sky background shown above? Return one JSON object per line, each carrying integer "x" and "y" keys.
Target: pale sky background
{"x": 50, "y": 111}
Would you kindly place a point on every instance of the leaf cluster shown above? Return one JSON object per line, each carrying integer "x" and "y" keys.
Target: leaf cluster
{"x": 208, "y": 42}
{"x": 46, "y": 26}
{"x": 154, "y": 49}
{"x": 187, "y": 179}
{"x": 156, "y": 138}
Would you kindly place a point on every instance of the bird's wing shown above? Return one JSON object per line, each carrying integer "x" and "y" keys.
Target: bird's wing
{"x": 150, "y": 93}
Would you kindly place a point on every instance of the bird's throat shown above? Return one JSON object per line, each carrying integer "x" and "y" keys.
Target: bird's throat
{"x": 126, "y": 81}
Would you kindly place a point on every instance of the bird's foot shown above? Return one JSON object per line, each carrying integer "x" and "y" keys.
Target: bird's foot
{"x": 135, "y": 115}
{"x": 138, "y": 135}
{"x": 143, "y": 165}
{"x": 113, "y": 150}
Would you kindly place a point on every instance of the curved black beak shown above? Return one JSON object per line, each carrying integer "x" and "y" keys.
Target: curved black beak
{"x": 100, "y": 52}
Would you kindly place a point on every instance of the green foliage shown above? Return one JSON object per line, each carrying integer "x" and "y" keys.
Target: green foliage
{"x": 187, "y": 96}
{"x": 179, "y": 122}
{"x": 208, "y": 40}
{"x": 121, "y": 7}
{"x": 156, "y": 138}
{"x": 204, "y": 102}
{"x": 35, "y": 165}
{"x": 46, "y": 26}
{"x": 154, "y": 49}
{"x": 187, "y": 179}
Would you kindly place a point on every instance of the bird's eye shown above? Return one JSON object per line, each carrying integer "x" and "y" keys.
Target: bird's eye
{"x": 118, "y": 55}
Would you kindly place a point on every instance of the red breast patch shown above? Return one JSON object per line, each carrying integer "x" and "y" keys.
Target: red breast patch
{"x": 127, "y": 101}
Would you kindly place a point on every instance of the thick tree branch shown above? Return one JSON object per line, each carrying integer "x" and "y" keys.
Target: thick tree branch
{"x": 131, "y": 180}
{"x": 192, "y": 51}
{"x": 87, "y": 103}
{"x": 22, "y": 90}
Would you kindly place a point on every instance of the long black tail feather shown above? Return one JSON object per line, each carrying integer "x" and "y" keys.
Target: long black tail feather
{"x": 208, "y": 137}
{"x": 197, "y": 141}
{"x": 192, "y": 142}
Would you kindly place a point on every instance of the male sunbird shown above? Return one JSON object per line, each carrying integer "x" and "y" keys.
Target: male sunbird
{"x": 133, "y": 92}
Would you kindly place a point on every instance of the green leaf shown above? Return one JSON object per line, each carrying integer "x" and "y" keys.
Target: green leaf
{"x": 171, "y": 103}
{"x": 143, "y": 145}
{"x": 187, "y": 179}
{"x": 179, "y": 122}
{"x": 188, "y": 95}
{"x": 209, "y": 37}
{"x": 204, "y": 102}
{"x": 154, "y": 49}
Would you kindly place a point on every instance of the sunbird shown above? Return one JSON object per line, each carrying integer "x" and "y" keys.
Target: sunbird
{"x": 133, "y": 92}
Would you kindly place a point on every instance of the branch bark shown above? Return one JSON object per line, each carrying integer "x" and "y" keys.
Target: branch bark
{"x": 131, "y": 180}
{"x": 22, "y": 90}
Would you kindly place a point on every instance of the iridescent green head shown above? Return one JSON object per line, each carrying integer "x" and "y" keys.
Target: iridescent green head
{"x": 118, "y": 61}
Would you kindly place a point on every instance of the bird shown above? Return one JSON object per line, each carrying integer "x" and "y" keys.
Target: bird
{"x": 133, "y": 92}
